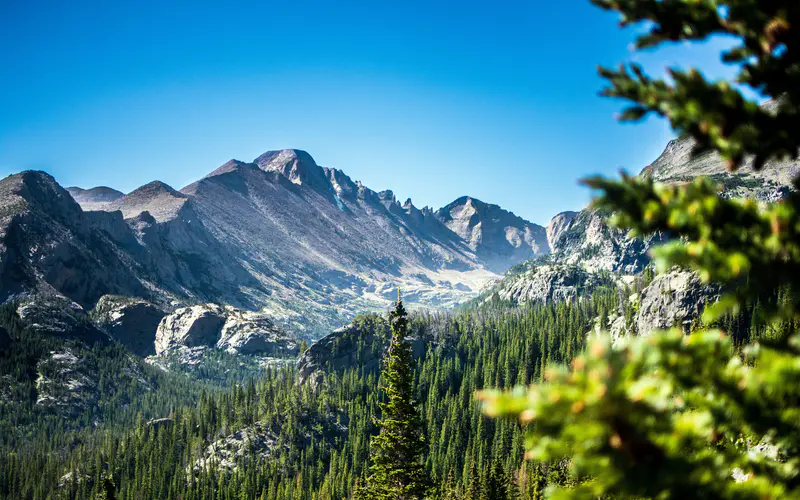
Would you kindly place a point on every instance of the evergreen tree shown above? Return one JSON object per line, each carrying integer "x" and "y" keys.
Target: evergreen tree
{"x": 670, "y": 415}
{"x": 397, "y": 470}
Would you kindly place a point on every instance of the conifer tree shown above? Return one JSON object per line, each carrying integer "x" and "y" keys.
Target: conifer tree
{"x": 397, "y": 451}
{"x": 671, "y": 415}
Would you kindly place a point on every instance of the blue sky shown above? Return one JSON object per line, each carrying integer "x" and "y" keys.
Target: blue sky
{"x": 432, "y": 100}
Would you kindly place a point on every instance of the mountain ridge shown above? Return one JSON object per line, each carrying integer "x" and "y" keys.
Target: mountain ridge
{"x": 281, "y": 235}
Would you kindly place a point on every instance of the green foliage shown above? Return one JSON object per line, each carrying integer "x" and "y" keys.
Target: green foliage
{"x": 324, "y": 433}
{"x": 397, "y": 471}
{"x": 674, "y": 416}
{"x": 716, "y": 114}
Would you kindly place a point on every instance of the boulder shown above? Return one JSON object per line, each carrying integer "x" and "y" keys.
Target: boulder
{"x": 132, "y": 322}
{"x": 676, "y": 298}
{"x": 254, "y": 333}
{"x": 190, "y": 327}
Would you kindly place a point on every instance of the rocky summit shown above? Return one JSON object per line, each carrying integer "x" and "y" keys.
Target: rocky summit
{"x": 280, "y": 235}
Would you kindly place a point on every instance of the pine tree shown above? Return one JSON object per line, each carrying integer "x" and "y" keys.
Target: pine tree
{"x": 671, "y": 415}
{"x": 397, "y": 471}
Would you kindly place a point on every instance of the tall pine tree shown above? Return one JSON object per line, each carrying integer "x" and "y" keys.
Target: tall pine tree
{"x": 397, "y": 471}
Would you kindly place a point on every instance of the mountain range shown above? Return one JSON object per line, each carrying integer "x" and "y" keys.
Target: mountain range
{"x": 281, "y": 235}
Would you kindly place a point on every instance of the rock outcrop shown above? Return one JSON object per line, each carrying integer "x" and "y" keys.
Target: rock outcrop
{"x": 227, "y": 328}
{"x": 132, "y": 322}
{"x": 676, "y": 298}
{"x": 588, "y": 241}
{"x": 60, "y": 317}
{"x": 254, "y": 443}
{"x": 361, "y": 344}
{"x": 547, "y": 283}
{"x": 190, "y": 327}
{"x": 65, "y": 383}
{"x": 338, "y": 350}
{"x": 254, "y": 333}
{"x": 557, "y": 226}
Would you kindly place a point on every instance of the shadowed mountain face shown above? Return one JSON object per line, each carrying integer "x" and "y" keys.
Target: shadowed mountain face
{"x": 302, "y": 242}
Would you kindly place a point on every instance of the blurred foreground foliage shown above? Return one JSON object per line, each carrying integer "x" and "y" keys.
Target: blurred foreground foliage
{"x": 671, "y": 415}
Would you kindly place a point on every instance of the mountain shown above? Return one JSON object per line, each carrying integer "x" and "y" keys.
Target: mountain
{"x": 280, "y": 235}
{"x": 498, "y": 237}
{"x": 678, "y": 164}
{"x": 584, "y": 248}
{"x": 95, "y": 197}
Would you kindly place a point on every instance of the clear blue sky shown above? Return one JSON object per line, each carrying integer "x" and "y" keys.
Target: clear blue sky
{"x": 496, "y": 100}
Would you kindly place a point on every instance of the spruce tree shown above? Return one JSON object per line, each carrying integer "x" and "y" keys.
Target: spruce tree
{"x": 671, "y": 415}
{"x": 397, "y": 470}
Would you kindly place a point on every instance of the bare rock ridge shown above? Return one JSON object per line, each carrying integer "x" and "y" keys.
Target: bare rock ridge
{"x": 678, "y": 163}
{"x": 281, "y": 235}
{"x": 100, "y": 194}
{"x": 498, "y": 237}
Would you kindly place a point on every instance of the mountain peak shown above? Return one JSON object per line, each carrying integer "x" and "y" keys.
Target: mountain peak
{"x": 40, "y": 190}
{"x": 296, "y": 165}
{"x": 496, "y": 235}
{"x": 161, "y": 200}
{"x": 155, "y": 188}
{"x": 99, "y": 194}
{"x": 231, "y": 165}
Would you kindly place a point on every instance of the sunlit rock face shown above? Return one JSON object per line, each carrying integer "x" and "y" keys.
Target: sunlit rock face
{"x": 227, "y": 328}
{"x": 673, "y": 299}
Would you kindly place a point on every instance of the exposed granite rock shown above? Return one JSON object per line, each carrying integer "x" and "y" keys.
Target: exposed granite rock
{"x": 677, "y": 164}
{"x": 132, "y": 322}
{"x": 337, "y": 350}
{"x": 254, "y": 333}
{"x": 56, "y": 315}
{"x": 190, "y": 329}
{"x": 65, "y": 382}
{"x": 588, "y": 241}
{"x": 557, "y": 226}
{"x": 254, "y": 443}
{"x": 547, "y": 283}
{"x": 361, "y": 344}
{"x": 676, "y": 298}
{"x": 194, "y": 326}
